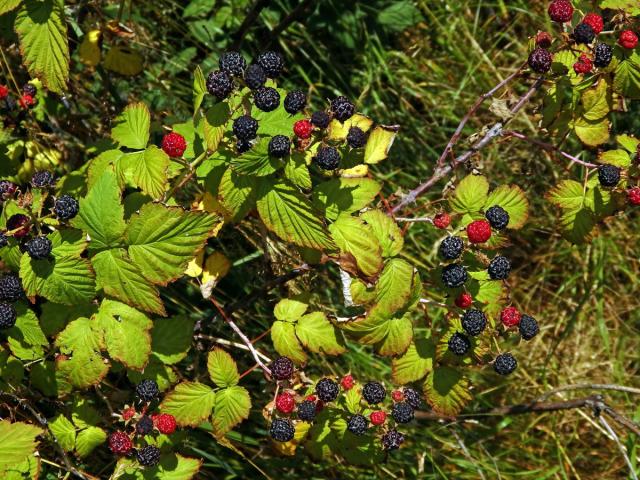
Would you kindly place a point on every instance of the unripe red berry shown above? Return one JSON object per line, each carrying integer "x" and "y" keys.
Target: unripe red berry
{"x": 594, "y": 21}
{"x": 583, "y": 65}
{"x": 165, "y": 423}
{"x": 561, "y": 11}
{"x": 479, "y": 231}
{"x": 128, "y": 413}
{"x": 378, "y": 418}
{"x": 464, "y": 300}
{"x": 4, "y": 91}
{"x": 397, "y": 396}
{"x": 442, "y": 220}
{"x": 628, "y": 39}
{"x": 347, "y": 382}
{"x": 174, "y": 144}
{"x": 510, "y": 317}
{"x": 633, "y": 195}
{"x": 311, "y": 398}
{"x": 285, "y": 403}
{"x": 120, "y": 443}
{"x": 303, "y": 128}
{"x": 26, "y": 101}
{"x": 543, "y": 40}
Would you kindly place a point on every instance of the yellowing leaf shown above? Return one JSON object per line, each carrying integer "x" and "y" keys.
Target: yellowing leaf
{"x": 379, "y": 143}
{"x": 89, "y": 50}
{"x": 17, "y": 442}
{"x": 123, "y": 60}
{"x": 194, "y": 268}
{"x": 232, "y": 406}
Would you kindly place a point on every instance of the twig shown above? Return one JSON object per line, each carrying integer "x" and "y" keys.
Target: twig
{"x": 229, "y": 343}
{"x": 616, "y": 439}
{"x": 433, "y": 302}
{"x": 589, "y": 386}
{"x": 346, "y": 288}
{"x": 414, "y": 220}
{"x": 251, "y": 17}
{"x": 295, "y": 14}
{"x": 550, "y": 148}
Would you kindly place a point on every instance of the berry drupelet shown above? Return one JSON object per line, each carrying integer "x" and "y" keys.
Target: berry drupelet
{"x": 628, "y": 39}
{"x": 499, "y": 268}
{"x": 174, "y": 144}
{"x": 474, "y": 322}
{"x": 458, "y": 344}
{"x": 295, "y": 101}
{"x": 165, "y": 423}
{"x": 147, "y": 390}
{"x": 66, "y": 207}
{"x": 560, "y": 11}
{"x": 498, "y": 217}
{"x": 504, "y": 364}
{"x": 454, "y": 275}
{"x": 282, "y": 430}
{"x": 327, "y": 158}
{"x": 29, "y": 89}
{"x": 442, "y": 220}
{"x": 510, "y": 317}
{"x": 479, "y": 231}
{"x": 378, "y": 417}
{"x": 302, "y": 129}
{"x": 595, "y": 21}
{"x": 374, "y": 393}
{"x": 464, "y": 300}
{"x": 358, "y": 424}
{"x": 285, "y": 403}
{"x": 540, "y": 60}
{"x": 266, "y": 99}
{"x": 451, "y": 248}
{"x": 279, "y": 146}
{"x": 633, "y": 196}
{"x": 282, "y": 368}
{"x": 120, "y": 443}
{"x": 327, "y": 390}
{"x": 7, "y": 189}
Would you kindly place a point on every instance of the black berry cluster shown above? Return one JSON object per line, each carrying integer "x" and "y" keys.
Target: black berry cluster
{"x": 295, "y": 101}
{"x": 219, "y": 84}
{"x": 38, "y": 247}
{"x": 232, "y": 63}
{"x": 374, "y": 393}
{"x": 608, "y": 175}
{"x": 504, "y": 364}
{"x": 307, "y": 411}
{"x": 245, "y": 127}
{"x": 603, "y": 54}
{"x": 147, "y": 390}
{"x": 528, "y": 327}
{"x": 320, "y": 119}
{"x": 451, "y": 248}
{"x": 540, "y": 60}
{"x": 498, "y": 217}
{"x": 454, "y": 275}
{"x": 282, "y": 368}
{"x": 279, "y": 146}
{"x": 282, "y": 430}
{"x": 474, "y": 322}
{"x": 266, "y": 99}
{"x": 412, "y": 397}
{"x": 8, "y": 315}
{"x": 583, "y": 33}
{"x": 358, "y": 424}
{"x": 254, "y": 77}
{"x": 327, "y": 390}
{"x": 327, "y": 158}
{"x": 144, "y": 425}
{"x": 66, "y": 207}
{"x": 356, "y": 138}
{"x": 392, "y": 440}
{"x": 42, "y": 179}
{"x": 10, "y": 288}
{"x": 499, "y": 268}
{"x": 459, "y": 344}
{"x": 272, "y": 63}
{"x": 402, "y": 412}
{"x": 148, "y": 456}
{"x": 342, "y": 108}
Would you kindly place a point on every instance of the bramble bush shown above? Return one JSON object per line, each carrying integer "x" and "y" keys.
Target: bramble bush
{"x": 102, "y": 376}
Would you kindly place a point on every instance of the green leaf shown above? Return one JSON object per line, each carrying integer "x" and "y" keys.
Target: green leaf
{"x": 592, "y": 126}
{"x": 80, "y": 335}
{"x": 29, "y": 468}
{"x": 470, "y": 195}
{"x": 11, "y": 370}
{"x": 190, "y": 403}
{"x": 399, "y": 15}
{"x": 288, "y": 214}
{"x": 628, "y": 142}
{"x": 345, "y": 195}
{"x": 8, "y": 5}
{"x": 319, "y": 335}
{"x": 118, "y": 277}
{"x": 149, "y": 170}
{"x": 257, "y": 161}
{"x": 379, "y": 143}
{"x": 17, "y": 442}
{"x": 120, "y": 324}
{"x": 84, "y": 369}
{"x": 285, "y": 341}
{"x": 447, "y": 390}
{"x": 42, "y": 29}
{"x": 619, "y": 158}
{"x": 415, "y": 363}
{"x": 155, "y": 370}
{"x": 26, "y": 338}
{"x": 568, "y": 195}
{"x": 131, "y": 127}
{"x": 215, "y": 121}
{"x": 277, "y": 122}
{"x": 592, "y": 133}
{"x": 491, "y": 293}
{"x": 290, "y": 309}
{"x": 397, "y": 338}
{"x": 101, "y": 214}
{"x": 163, "y": 240}
{"x": 297, "y": 172}
{"x": 83, "y": 415}
{"x": 631, "y": 7}
{"x": 352, "y": 400}
{"x": 627, "y": 77}
{"x": 64, "y": 432}
{"x": 356, "y": 238}
{"x": 171, "y": 338}
{"x": 88, "y": 439}
{"x": 513, "y": 200}
{"x": 386, "y": 231}
{"x": 232, "y": 406}
{"x": 199, "y": 89}
{"x": 222, "y": 368}
{"x": 393, "y": 289}
{"x": 237, "y": 194}
{"x": 338, "y": 130}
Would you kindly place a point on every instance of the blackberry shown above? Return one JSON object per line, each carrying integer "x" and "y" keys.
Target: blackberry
{"x": 8, "y": 315}
{"x": 498, "y": 217}
{"x": 474, "y": 322}
{"x": 327, "y": 390}
{"x": 402, "y": 412}
{"x": 295, "y": 101}
{"x": 356, "y": 138}
{"x": 504, "y": 364}
{"x": 499, "y": 268}
{"x": 279, "y": 146}
{"x": 243, "y": 146}
{"x": 66, "y": 207}
{"x": 540, "y": 60}
{"x": 307, "y": 411}
{"x": 4, "y": 240}
{"x": 29, "y": 89}
{"x": 219, "y": 84}
{"x": 342, "y": 108}
{"x": 10, "y": 288}
{"x": 583, "y": 33}
{"x": 282, "y": 368}
{"x": 282, "y": 430}
{"x": 148, "y": 456}
{"x": 266, "y": 99}
{"x": 392, "y": 440}
{"x": 39, "y": 247}
{"x": 144, "y": 425}
{"x": 245, "y": 128}
{"x": 7, "y": 189}
{"x": 358, "y": 424}
{"x": 454, "y": 275}
{"x": 320, "y": 119}
{"x": 147, "y": 390}
{"x": 18, "y": 225}
{"x": 608, "y": 175}
{"x": 42, "y": 179}
{"x": 374, "y": 393}
{"x": 254, "y": 76}
{"x": 603, "y": 54}
{"x": 459, "y": 344}
{"x": 232, "y": 63}
{"x": 451, "y": 248}
{"x": 528, "y": 327}
{"x": 327, "y": 158}
{"x": 412, "y": 397}
{"x": 272, "y": 63}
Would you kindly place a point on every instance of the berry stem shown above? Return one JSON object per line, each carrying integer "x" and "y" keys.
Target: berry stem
{"x": 186, "y": 176}
{"x": 414, "y": 220}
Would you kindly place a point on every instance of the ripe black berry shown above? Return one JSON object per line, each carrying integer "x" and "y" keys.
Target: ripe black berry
{"x": 8, "y": 315}
{"x": 266, "y": 99}
{"x": 243, "y": 146}
{"x": 282, "y": 368}
{"x": 499, "y": 268}
{"x": 144, "y": 425}
{"x": 148, "y": 456}
{"x": 38, "y": 247}
{"x": 392, "y": 440}
{"x": 7, "y": 189}
{"x": 279, "y": 146}
{"x": 342, "y": 108}
{"x": 451, "y": 248}
{"x": 219, "y": 84}
{"x": 498, "y": 217}
{"x": 474, "y": 322}
{"x": 374, "y": 393}
{"x": 358, "y": 424}
{"x": 147, "y": 390}
{"x": 327, "y": 390}
{"x": 528, "y": 327}
{"x": 608, "y": 175}
{"x": 454, "y": 275}
{"x": 307, "y": 411}
{"x": 540, "y": 60}
{"x": 412, "y": 397}
{"x": 29, "y": 89}
{"x": 66, "y": 207}
{"x": 282, "y": 430}
{"x": 245, "y": 127}
{"x": 327, "y": 158}
{"x": 402, "y": 412}
{"x": 10, "y": 288}
{"x": 254, "y": 76}
{"x": 504, "y": 364}
{"x": 356, "y": 138}
{"x": 295, "y": 101}
{"x": 583, "y": 33}
{"x": 603, "y": 54}
{"x": 42, "y": 179}
{"x": 4, "y": 240}
{"x": 320, "y": 119}
{"x": 272, "y": 63}
{"x": 459, "y": 344}
{"x": 232, "y": 63}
